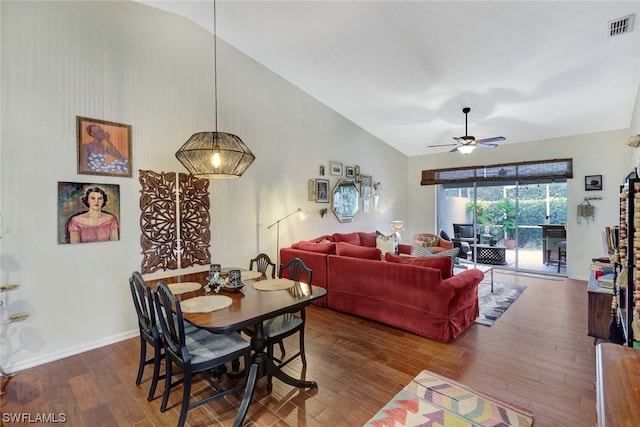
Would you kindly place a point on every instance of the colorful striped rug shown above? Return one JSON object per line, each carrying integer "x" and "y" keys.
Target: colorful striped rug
{"x": 433, "y": 400}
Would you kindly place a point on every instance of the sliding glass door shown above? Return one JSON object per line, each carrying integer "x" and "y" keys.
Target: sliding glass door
{"x": 510, "y": 217}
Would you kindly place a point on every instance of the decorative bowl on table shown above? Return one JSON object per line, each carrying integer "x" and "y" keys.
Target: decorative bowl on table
{"x": 232, "y": 288}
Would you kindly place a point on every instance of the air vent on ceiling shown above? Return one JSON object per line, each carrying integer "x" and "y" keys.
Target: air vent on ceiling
{"x": 621, "y": 25}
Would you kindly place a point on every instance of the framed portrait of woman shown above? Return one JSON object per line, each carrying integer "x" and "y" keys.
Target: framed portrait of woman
{"x": 104, "y": 148}
{"x": 88, "y": 212}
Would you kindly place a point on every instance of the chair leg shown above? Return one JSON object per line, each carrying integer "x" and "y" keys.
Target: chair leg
{"x": 269, "y": 377}
{"x": 167, "y": 384}
{"x": 143, "y": 358}
{"x": 156, "y": 373}
{"x": 282, "y": 350}
{"x": 186, "y": 387}
{"x": 302, "y": 355}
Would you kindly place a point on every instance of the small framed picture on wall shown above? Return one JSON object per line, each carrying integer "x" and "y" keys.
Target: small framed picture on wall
{"x": 365, "y": 187}
{"x": 322, "y": 191}
{"x": 349, "y": 171}
{"x": 593, "y": 182}
{"x": 336, "y": 168}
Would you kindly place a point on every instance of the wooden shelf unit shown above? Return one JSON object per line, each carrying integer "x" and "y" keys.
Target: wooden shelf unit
{"x": 599, "y": 310}
{"x": 625, "y": 295}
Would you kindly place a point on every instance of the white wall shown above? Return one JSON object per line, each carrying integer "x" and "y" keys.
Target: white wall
{"x": 603, "y": 154}
{"x": 128, "y": 63}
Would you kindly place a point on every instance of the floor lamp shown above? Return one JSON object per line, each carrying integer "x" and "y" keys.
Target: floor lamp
{"x": 301, "y": 215}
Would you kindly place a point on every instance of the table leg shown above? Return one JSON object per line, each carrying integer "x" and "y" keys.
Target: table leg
{"x": 252, "y": 378}
{"x": 261, "y": 366}
{"x": 492, "y": 280}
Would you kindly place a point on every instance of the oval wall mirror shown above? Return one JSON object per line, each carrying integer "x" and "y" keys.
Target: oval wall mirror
{"x": 345, "y": 200}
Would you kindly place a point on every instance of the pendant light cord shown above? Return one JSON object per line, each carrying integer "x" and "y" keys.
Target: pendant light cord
{"x": 215, "y": 66}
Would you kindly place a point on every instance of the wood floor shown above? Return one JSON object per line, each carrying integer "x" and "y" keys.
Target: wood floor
{"x": 537, "y": 355}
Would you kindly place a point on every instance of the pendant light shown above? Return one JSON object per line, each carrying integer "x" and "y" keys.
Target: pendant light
{"x": 213, "y": 154}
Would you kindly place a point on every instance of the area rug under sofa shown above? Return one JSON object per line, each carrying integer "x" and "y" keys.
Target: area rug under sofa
{"x": 432, "y": 400}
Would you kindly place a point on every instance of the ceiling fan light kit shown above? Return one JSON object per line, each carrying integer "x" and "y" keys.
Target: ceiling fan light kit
{"x": 465, "y": 149}
{"x": 467, "y": 143}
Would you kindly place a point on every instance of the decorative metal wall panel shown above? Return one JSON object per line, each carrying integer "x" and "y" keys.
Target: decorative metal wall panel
{"x": 160, "y": 223}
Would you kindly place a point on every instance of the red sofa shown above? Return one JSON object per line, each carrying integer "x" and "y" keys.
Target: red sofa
{"x": 417, "y": 294}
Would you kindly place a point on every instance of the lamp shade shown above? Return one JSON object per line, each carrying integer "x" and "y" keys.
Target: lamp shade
{"x": 217, "y": 155}
{"x": 397, "y": 225}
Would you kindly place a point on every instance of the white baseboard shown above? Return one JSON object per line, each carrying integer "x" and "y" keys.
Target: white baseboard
{"x": 30, "y": 363}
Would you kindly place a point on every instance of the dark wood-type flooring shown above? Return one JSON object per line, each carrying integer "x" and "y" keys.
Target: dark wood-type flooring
{"x": 537, "y": 355}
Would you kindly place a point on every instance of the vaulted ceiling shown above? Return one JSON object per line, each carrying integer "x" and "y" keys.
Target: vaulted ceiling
{"x": 403, "y": 70}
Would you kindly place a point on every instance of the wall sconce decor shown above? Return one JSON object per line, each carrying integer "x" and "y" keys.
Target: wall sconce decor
{"x": 358, "y": 177}
{"x": 323, "y": 212}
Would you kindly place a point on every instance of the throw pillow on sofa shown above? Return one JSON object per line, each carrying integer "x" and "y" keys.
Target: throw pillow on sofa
{"x": 387, "y": 244}
{"x": 352, "y": 238}
{"x": 368, "y": 239}
{"x": 427, "y": 241}
{"x": 444, "y": 264}
{"x": 420, "y": 251}
{"x": 323, "y": 248}
{"x": 354, "y": 251}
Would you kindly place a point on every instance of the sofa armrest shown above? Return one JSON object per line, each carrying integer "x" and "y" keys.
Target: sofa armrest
{"x": 465, "y": 290}
{"x": 447, "y": 244}
{"x": 467, "y": 279}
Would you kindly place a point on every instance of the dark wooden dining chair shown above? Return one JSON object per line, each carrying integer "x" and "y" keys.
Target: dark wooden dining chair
{"x": 263, "y": 264}
{"x": 280, "y": 327}
{"x": 198, "y": 353}
{"x": 285, "y": 325}
{"x": 149, "y": 334}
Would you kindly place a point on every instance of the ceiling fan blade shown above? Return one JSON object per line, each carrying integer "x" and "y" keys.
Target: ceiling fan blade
{"x": 453, "y": 150}
{"x": 440, "y": 145}
{"x": 494, "y": 139}
{"x": 484, "y": 145}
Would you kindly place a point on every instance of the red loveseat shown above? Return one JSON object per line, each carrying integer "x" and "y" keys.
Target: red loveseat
{"x": 416, "y": 294}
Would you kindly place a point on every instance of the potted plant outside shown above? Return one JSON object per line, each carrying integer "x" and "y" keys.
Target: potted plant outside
{"x": 507, "y": 219}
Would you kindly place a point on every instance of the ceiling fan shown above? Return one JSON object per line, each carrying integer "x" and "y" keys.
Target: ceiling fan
{"x": 467, "y": 143}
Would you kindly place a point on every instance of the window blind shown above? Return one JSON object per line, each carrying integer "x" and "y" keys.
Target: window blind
{"x": 536, "y": 171}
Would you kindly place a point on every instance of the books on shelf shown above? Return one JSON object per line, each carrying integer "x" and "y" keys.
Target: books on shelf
{"x": 603, "y": 272}
{"x": 610, "y": 238}
{"x": 605, "y": 281}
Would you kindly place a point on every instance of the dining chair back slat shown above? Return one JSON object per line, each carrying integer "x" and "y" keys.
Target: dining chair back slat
{"x": 263, "y": 264}
{"x": 295, "y": 269}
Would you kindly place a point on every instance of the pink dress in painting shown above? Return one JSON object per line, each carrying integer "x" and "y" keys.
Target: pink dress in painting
{"x": 97, "y": 233}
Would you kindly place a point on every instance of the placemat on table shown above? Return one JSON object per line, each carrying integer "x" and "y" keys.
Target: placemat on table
{"x": 250, "y": 274}
{"x": 205, "y": 304}
{"x": 273, "y": 284}
{"x": 184, "y": 287}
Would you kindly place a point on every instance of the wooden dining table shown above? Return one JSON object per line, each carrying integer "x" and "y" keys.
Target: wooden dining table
{"x": 250, "y": 307}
